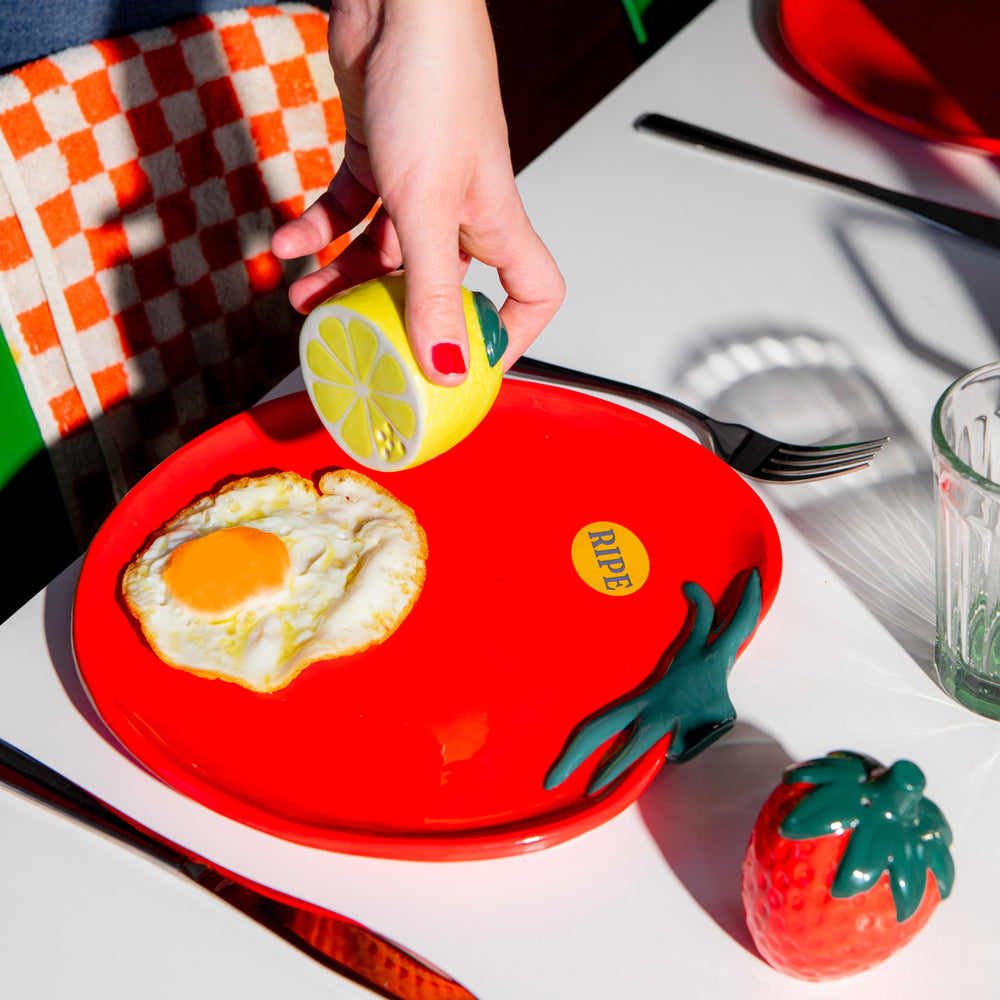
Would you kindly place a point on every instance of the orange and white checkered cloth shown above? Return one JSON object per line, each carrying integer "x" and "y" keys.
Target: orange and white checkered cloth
{"x": 141, "y": 178}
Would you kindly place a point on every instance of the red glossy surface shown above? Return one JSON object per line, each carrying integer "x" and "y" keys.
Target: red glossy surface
{"x": 434, "y": 745}
{"x": 925, "y": 66}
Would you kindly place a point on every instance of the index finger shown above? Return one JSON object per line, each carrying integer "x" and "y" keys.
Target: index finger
{"x": 434, "y": 268}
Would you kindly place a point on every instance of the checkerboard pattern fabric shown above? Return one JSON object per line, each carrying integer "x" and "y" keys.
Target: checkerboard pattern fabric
{"x": 141, "y": 178}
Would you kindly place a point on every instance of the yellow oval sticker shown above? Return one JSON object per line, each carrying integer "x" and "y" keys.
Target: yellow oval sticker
{"x": 610, "y": 558}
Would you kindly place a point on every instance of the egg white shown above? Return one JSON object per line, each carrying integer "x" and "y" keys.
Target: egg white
{"x": 357, "y": 558}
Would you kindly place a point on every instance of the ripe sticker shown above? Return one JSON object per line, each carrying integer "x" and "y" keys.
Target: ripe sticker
{"x": 610, "y": 558}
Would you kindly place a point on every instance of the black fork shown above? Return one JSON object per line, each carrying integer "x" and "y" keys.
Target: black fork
{"x": 744, "y": 449}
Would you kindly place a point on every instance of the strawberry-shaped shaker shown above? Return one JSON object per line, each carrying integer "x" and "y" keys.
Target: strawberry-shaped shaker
{"x": 846, "y": 862}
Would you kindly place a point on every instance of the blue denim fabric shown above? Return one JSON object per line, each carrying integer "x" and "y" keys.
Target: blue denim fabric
{"x": 30, "y": 29}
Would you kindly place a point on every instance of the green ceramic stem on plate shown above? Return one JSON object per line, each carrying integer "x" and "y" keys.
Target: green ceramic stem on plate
{"x": 688, "y": 701}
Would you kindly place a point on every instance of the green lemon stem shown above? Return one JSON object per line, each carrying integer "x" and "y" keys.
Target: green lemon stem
{"x": 491, "y": 326}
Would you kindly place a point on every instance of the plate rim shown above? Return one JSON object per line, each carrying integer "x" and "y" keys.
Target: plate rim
{"x": 836, "y": 86}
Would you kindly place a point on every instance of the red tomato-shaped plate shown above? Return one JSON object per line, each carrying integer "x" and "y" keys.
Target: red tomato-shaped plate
{"x": 925, "y": 66}
{"x": 435, "y": 744}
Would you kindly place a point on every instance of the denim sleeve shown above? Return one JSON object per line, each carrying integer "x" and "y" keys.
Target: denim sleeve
{"x": 31, "y": 29}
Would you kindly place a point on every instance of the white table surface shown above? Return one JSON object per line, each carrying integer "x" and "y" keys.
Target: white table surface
{"x": 735, "y": 286}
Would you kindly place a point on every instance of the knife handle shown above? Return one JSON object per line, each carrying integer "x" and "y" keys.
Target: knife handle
{"x": 983, "y": 229}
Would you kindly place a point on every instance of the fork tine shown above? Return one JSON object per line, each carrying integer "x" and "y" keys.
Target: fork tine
{"x": 843, "y": 450}
{"x": 795, "y": 463}
{"x": 820, "y": 462}
{"x": 806, "y": 474}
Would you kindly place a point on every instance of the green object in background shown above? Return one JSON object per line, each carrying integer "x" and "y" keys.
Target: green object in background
{"x": 20, "y": 439}
{"x": 635, "y": 9}
{"x": 30, "y": 497}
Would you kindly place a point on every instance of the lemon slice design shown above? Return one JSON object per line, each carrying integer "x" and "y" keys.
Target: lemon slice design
{"x": 368, "y": 390}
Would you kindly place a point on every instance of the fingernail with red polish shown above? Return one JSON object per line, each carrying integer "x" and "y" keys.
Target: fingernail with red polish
{"x": 447, "y": 359}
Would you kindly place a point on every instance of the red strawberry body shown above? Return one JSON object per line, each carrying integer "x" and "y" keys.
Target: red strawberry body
{"x": 803, "y": 925}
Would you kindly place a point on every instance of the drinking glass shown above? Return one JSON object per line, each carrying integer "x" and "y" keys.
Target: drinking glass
{"x": 965, "y": 431}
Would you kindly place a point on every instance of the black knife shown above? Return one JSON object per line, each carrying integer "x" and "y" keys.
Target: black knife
{"x": 336, "y": 942}
{"x": 984, "y": 229}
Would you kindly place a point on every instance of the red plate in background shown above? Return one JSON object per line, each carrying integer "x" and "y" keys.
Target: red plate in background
{"x": 434, "y": 745}
{"x": 925, "y": 66}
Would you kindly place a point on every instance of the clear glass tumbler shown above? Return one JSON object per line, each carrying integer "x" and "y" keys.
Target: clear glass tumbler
{"x": 966, "y": 441}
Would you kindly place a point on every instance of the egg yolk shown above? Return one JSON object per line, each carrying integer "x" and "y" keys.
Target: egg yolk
{"x": 217, "y": 572}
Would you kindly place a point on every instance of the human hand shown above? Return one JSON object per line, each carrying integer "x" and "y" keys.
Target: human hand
{"x": 426, "y": 134}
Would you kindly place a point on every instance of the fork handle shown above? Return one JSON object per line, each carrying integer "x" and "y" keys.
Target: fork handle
{"x": 544, "y": 371}
{"x": 959, "y": 221}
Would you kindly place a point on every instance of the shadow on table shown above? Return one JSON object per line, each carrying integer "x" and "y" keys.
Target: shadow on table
{"x": 58, "y": 635}
{"x": 875, "y": 527}
{"x": 968, "y": 285}
{"x": 915, "y": 157}
{"x": 701, "y": 813}
{"x": 923, "y": 165}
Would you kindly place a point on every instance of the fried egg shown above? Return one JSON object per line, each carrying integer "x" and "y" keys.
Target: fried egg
{"x": 255, "y": 582}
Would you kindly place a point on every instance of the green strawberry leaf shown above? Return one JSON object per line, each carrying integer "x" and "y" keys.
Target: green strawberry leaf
{"x": 824, "y": 811}
{"x": 834, "y": 767}
{"x": 890, "y": 826}
{"x": 934, "y": 837}
{"x": 861, "y": 865}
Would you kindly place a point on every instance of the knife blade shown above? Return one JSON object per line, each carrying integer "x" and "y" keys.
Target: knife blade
{"x": 984, "y": 229}
{"x": 340, "y": 944}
